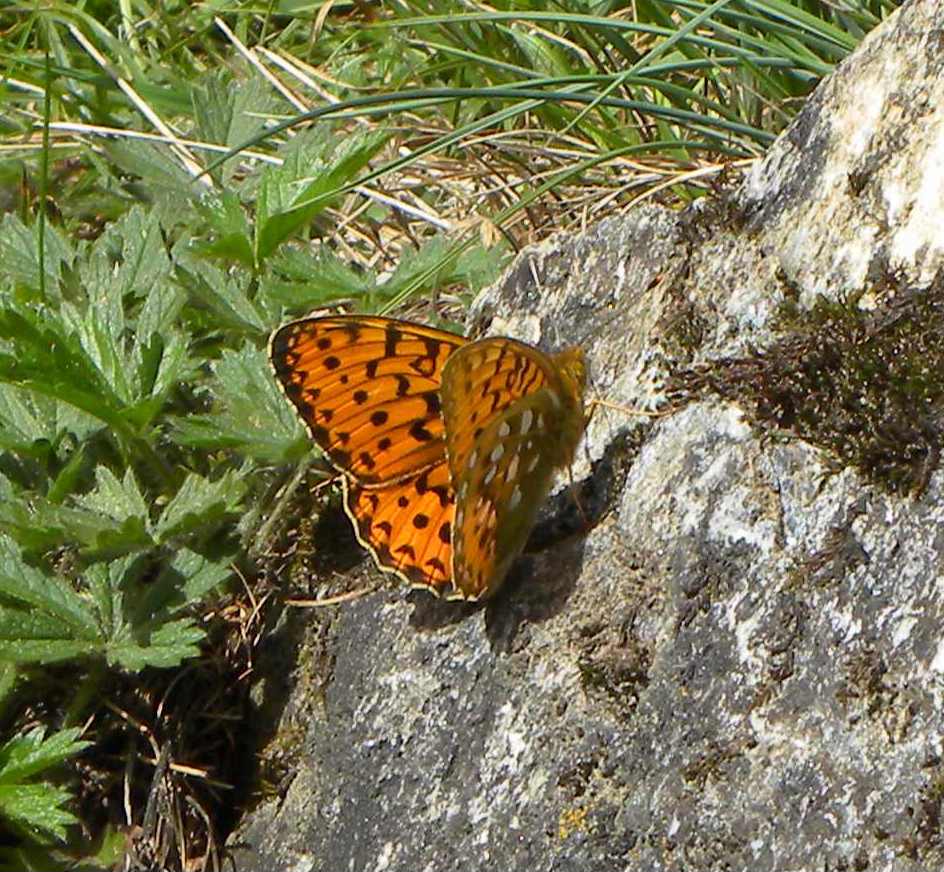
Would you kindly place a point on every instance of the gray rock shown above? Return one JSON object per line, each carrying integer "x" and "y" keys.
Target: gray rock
{"x": 740, "y": 665}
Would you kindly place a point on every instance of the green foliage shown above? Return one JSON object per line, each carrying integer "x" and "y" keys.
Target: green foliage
{"x": 30, "y": 808}
{"x": 118, "y": 612}
{"x": 255, "y": 420}
{"x": 315, "y": 171}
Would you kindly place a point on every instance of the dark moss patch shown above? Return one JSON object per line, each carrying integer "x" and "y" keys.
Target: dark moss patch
{"x": 867, "y": 387}
{"x": 925, "y": 844}
{"x": 684, "y": 326}
{"x": 616, "y": 662}
{"x": 704, "y": 573}
{"x": 711, "y": 765}
{"x": 841, "y": 553}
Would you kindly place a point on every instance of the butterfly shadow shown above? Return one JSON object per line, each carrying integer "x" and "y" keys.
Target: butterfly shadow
{"x": 542, "y": 579}
{"x": 538, "y": 586}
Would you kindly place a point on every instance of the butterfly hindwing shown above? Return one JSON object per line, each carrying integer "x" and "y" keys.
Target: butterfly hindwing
{"x": 502, "y": 462}
{"x": 407, "y": 526}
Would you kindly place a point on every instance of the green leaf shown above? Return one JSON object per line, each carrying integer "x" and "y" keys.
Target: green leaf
{"x": 116, "y": 499}
{"x": 45, "y": 595}
{"x": 36, "y": 809}
{"x": 159, "y": 355}
{"x": 139, "y": 613}
{"x": 22, "y": 423}
{"x": 29, "y": 754}
{"x": 161, "y": 173}
{"x": 40, "y": 524}
{"x": 229, "y": 226}
{"x": 224, "y": 295}
{"x": 200, "y": 575}
{"x": 300, "y": 280}
{"x": 201, "y": 504}
{"x": 151, "y": 635}
{"x": 254, "y": 417}
{"x": 128, "y": 258}
{"x": 317, "y": 166}
{"x": 229, "y": 115}
{"x": 42, "y": 651}
{"x": 440, "y": 262}
{"x": 122, "y": 512}
{"x": 19, "y": 254}
{"x": 129, "y": 617}
{"x": 51, "y": 361}
{"x": 168, "y": 646}
{"x": 184, "y": 581}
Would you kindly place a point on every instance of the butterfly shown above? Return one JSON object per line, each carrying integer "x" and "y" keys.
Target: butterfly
{"x": 446, "y": 447}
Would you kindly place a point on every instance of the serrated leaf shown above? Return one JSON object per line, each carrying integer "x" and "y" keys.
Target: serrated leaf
{"x": 122, "y": 514}
{"x": 229, "y": 226}
{"x": 153, "y": 164}
{"x": 41, "y": 525}
{"x": 29, "y": 754}
{"x": 186, "y": 580}
{"x": 37, "y": 809}
{"x": 19, "y": 254}
{"x": 254, "y": 416}
{"x": 45, "y": 594}
{"x": 128, "y": 258}
{"x": 46, "y": 651}
{"x": 49, "y": 361}
{"x": 223, "y": 294}
{"x": 99, "y": 329}
{"x": 200, "y": 503}
{"x": 169, "y": 645}
{"x": 118, "y": 500}
{"x": 230, "y": 115}
{"x": 21, "y": 423}
{"x": 437, "y": 264}
{"x": 159, "y": 355}
{"x": 317, "y": 167}
{"x": 200, "y": 574}
{"x": 299, "y": 280}
{"x": 160, "y": 311}
{"x": 72, "y": 472}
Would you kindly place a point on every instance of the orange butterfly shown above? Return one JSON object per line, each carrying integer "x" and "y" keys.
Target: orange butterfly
{"x": 447, "y": 447}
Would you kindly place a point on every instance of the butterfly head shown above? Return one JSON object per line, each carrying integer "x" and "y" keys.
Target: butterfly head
{"x": 572, "y": 366}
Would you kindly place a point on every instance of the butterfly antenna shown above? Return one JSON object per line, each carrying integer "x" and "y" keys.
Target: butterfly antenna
{"x": 661, "y": 412}
{"x": 346, "y": 597}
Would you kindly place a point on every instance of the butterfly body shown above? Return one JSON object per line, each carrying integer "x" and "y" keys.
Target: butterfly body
{"x": 447, "y": 447}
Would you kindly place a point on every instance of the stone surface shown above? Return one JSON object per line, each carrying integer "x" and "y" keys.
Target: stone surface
{"x": 740, "y": 666}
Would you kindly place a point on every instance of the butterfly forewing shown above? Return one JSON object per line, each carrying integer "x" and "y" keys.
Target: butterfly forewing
{"x": 368, "y": 389}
